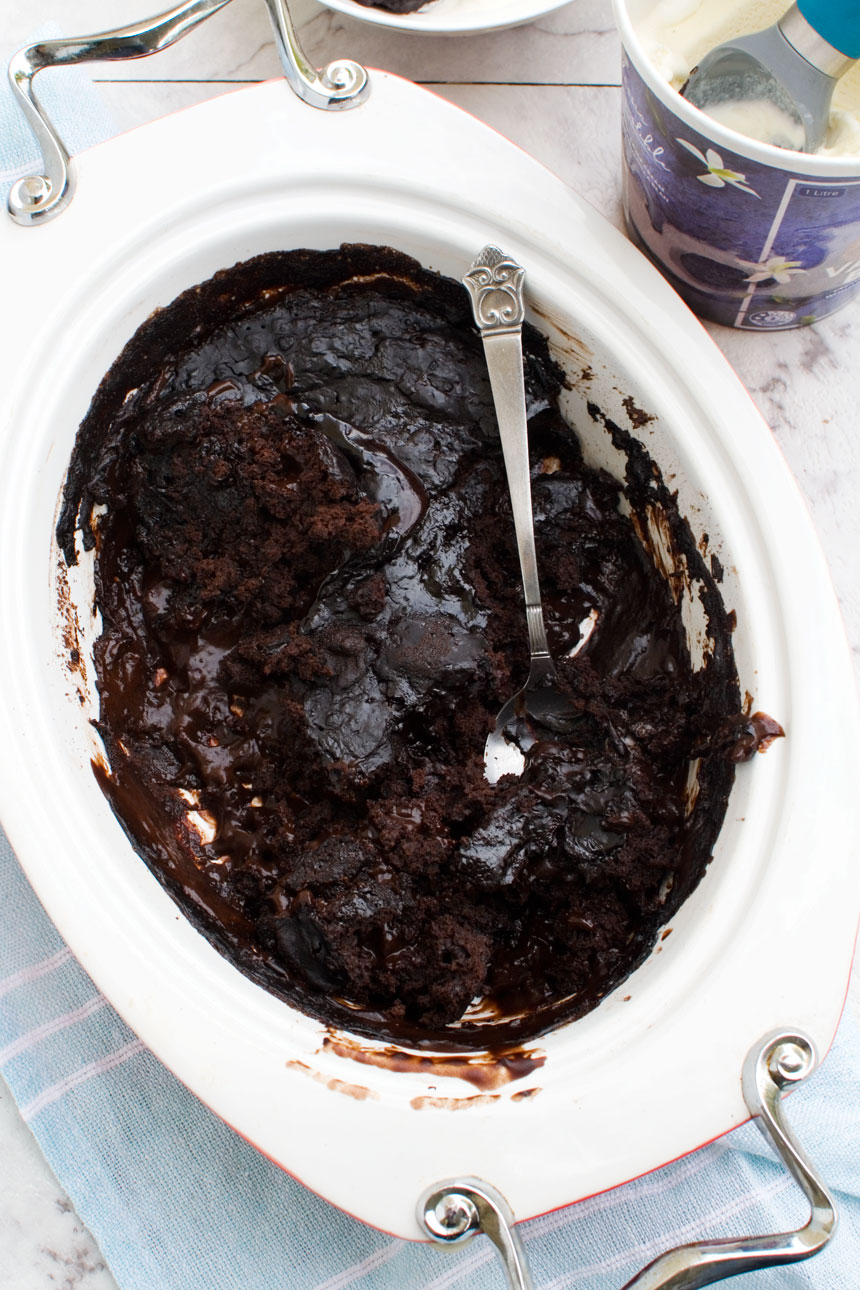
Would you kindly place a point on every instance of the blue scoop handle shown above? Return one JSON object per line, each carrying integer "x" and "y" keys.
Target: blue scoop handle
{"x": 838, "y": 21}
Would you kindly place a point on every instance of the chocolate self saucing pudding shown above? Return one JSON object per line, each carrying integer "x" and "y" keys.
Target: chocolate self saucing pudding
{"x": 312, "y": 613}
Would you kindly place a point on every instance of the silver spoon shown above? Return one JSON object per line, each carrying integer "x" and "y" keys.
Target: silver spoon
{"x": 776, "y": 85}
{"x": 495, "y": 283}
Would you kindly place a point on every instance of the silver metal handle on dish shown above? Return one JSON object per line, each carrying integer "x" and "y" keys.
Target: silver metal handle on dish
{"x": 495, "y": 284}
{"x": 454, "y": 1211}
{"x": 38, "y": 198}
{"x": 341, "y": 84}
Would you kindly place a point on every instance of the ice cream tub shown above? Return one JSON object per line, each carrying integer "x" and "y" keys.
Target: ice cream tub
{"x": 750, "y": 235}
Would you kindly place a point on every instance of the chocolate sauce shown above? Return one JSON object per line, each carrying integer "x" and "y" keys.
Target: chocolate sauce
{"x": 312, "y": 612}
{"x": 487, "y": 1070}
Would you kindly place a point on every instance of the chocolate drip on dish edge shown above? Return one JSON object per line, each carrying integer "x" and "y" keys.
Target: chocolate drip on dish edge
{"x": 312, "y": 613}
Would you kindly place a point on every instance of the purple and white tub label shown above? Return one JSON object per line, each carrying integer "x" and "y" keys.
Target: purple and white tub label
{"x": 744, "y": 243}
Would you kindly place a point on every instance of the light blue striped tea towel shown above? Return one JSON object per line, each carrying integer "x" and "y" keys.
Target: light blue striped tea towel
{"x": 178, "y": 1202}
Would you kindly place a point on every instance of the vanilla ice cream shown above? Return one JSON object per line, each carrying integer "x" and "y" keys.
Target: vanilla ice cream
{"x": 677, "y": 34}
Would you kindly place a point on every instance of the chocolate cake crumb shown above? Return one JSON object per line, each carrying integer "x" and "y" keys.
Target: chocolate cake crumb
{"x": 308, "y": 580}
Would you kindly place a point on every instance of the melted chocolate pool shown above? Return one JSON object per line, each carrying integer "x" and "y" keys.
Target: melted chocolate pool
{"x": 312, "y": 613}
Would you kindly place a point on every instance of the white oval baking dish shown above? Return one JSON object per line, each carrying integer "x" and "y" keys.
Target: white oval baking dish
{"x": 766, "y": 940}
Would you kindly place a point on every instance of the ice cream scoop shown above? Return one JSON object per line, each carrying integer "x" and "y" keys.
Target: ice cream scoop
{"x": 777, "y": 85}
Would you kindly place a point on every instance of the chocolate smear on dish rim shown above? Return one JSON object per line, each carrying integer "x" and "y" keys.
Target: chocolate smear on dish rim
{"x": 311, "y": 614}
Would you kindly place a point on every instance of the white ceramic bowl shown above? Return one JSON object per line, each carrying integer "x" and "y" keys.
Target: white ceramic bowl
{"x": 766, "y": 939}
{"x": 452, "y": 17}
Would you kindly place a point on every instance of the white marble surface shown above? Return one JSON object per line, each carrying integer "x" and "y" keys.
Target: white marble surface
{"x": 553, "y": 89}
{"x": 43, "y": 1243}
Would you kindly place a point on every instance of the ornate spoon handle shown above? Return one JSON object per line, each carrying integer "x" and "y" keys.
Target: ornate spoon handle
{"x": 495, "y": 284}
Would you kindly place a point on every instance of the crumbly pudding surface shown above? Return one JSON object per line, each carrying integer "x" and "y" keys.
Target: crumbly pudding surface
{"x": 312, "y": 612}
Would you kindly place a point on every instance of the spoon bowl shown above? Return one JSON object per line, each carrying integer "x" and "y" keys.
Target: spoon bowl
{"x": 540, "y": 710}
